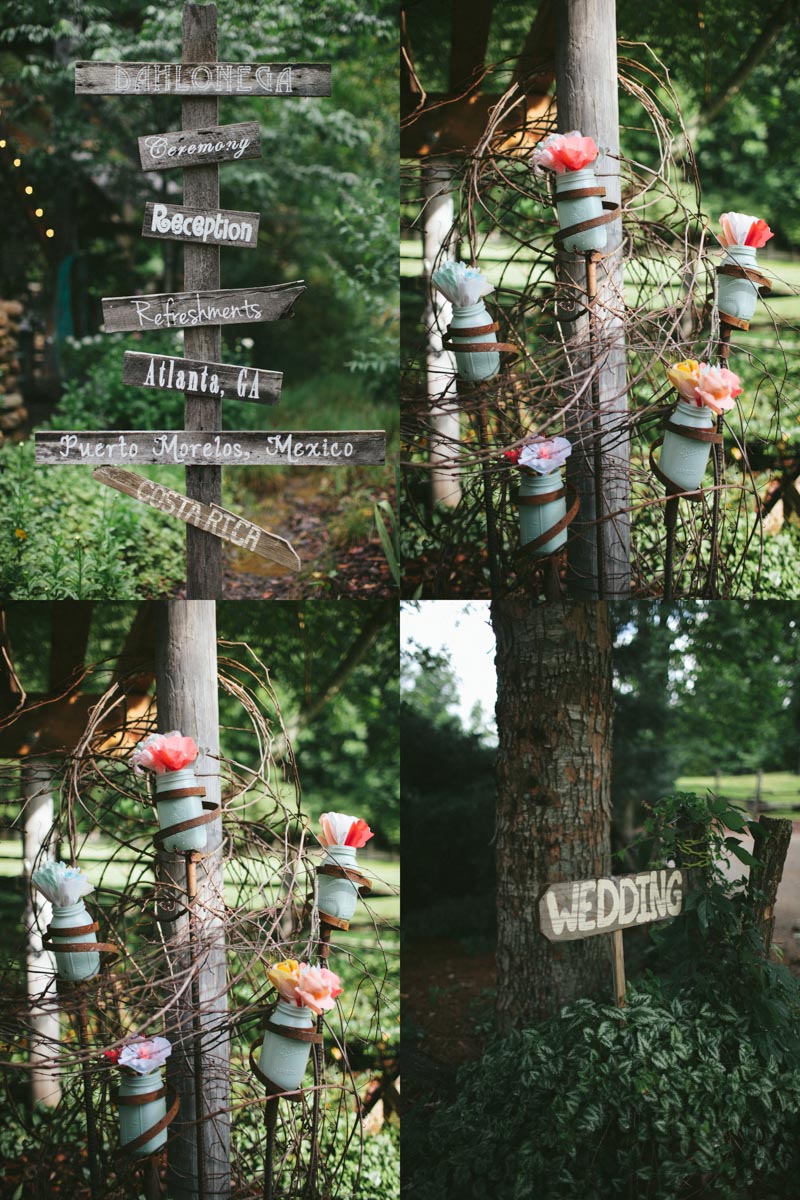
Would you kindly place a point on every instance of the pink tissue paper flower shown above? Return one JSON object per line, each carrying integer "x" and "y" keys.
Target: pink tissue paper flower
{"x": 318, "y": 988}
{"x": 144, "y": 1055}
{"x": 740, "y": 229}
{"x": 718, "y": 388}
{"x": 545, "y": 455}
{"x": 164, "y": 752}
{"x": 564, "y": 152}
{"x": 340, "y": 829}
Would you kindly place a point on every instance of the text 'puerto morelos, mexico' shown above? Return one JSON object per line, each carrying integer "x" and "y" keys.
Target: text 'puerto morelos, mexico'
{"x": 170, "y": 447}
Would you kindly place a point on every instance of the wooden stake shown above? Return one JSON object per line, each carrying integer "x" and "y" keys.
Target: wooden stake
{"x": 618, "y": 963}
{"x": 201, "y": 272}
{"x": 98, "y": 1191}
{"x": 271, "y": 1121}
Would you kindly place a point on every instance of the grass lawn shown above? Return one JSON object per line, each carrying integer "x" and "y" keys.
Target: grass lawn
{"x": 780, "y": 789}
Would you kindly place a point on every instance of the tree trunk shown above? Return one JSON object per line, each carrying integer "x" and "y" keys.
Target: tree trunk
{"x": 444, "y": 412}
{"x": 45, "y": 1035}
{"x": 771, "y": 853}
{"x": 554, "y": 718}
{"x": 186, "y": 683}
{"x": 586, "y": 92}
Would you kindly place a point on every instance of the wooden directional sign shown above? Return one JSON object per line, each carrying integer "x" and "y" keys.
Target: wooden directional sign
{"x": 329, "y": 448}
{"x": 203, "y": 79}
{"x": 207, "y": 227}
{"x": 189, "y": 310}
{"x": 196, "y": 147}
{"x": 219, "y": 380}
{"x": 209, "y": 517}
{"x": 568, "y": 911}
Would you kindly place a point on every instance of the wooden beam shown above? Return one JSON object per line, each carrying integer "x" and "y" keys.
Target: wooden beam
{"x": 70, "y": 624}
{"x": 471, "y": 20}
{"x": 455, "y": 125}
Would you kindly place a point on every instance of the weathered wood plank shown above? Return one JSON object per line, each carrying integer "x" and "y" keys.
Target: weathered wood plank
{"x": 190, "y": 310}
{"x": 319, "y": 448}
{"x": 203, "y": 79}
{"x": 211, "y": 518}
{"x": 199, "y": 147}
{"x": 222, "y": 380}
{"x": 215, "y": 227}
{"x": 568, "y": 911}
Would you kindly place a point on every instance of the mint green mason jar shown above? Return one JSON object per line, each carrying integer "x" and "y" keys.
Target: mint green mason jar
{"x": 574, "y": 212}
{"x": 474, "y": 364}
{"x": 536, "y": 519}
{"x": 335, "y": 896}
{"x": 284, "y": 1060}
{"x": 136, "y": 1119}
{"x": 735, "y": 296}
{"x": 182, "y": 808}
{"x": 81, "y": 964}
{"x": 683, "y": 460}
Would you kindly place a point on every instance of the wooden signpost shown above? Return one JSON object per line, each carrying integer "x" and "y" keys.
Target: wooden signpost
{"x": 202, "y": 308}
{"x": 211, "y": 518}
{"x": 589, "y": 907}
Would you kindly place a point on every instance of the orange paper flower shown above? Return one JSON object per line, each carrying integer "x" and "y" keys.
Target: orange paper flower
{"x": 164, "y": 752}
{"x": 564, "y": 152}
{"x": 740, "y": 229}
{"x": 340, "y": 829}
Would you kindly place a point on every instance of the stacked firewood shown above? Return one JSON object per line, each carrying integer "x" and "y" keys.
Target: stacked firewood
{"x": 13, "y": 413}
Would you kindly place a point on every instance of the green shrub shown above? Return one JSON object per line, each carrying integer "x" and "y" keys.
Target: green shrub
{"x": 665, "y": 1099}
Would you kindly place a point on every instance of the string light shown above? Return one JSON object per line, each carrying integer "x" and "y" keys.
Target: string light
{"x": 49, "y": 233}
{"x": 2, "y": 143}
{"x": 29, "y": 190}
{"x": 39, "y": 212}
{"x": 17, "y": 162}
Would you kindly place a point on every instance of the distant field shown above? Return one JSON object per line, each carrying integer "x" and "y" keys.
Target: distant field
{"x": 781, "y": 789}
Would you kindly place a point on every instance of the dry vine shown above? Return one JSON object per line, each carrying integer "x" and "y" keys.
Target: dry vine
{"x": 267, "y": 916}
{"x": 504, "y": 216}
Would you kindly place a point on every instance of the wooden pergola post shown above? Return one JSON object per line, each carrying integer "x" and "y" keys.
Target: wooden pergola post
{"x": 599, "y": 468}
{"x": 198, "y": 1069}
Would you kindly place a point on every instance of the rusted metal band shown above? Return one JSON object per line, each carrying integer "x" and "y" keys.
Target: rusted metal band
{"x": 532, "y": 501}
{"x": 72, "y": 930}
{"x": 272, "y": 1088}
{"x": 333, "y": 922}
{"x": 107, "y": 948}
{"x": 673, "y": 489}
{"x": 480, "y": 347}
{"x": 530, "y": 548}
{"x": 345, "y": 873}
{"x": 613, "y": 211}
{"x": 580, "y": 193}
{"x": 295, "y": 1035}
{"x": 214, "y": 811}
{"x": 695, "y": 435}
{"x": 172, "y": 1111}
{"x": 140, "y": 1098}
{"x": 734, "y": 322}
{"x": 763, "y": 282}
{"x": 179, "y": 793}
{"x": 471, "y": 330}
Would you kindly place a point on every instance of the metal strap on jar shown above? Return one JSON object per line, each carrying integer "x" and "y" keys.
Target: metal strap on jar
{"x": 77, "y": 947}
{"x": 611, "y": 214}
{"x": 762, "y": 283}
{"x": 145, "y": 1098}
{"x": 530, "y": 548}
{"x": 272, "y": 1088}
{"x": 213, "y": 811}
{"x": 363, "y": 884}
{"x": 478, "y": 347}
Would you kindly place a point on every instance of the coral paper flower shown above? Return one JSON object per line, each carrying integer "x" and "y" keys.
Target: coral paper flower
{"x": 544, "y": 455}
{"x": 564, "y": 152}
{"x": 740, "y": 229}
{"x": 164, "y": 752}
{"x": 144, "y": 1055}
{"x": 318, "y": 988}
{"x": 340, "y": 829}
{"x": 700, "y": 383}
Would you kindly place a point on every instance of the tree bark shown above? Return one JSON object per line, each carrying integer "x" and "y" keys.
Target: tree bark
{"x": 444, "y": 415}
{"x": 43, "y": 1017}
{"x": 554, "y": 720}
{"x": 586, "y": 92}
{"x": 771, "y": 853}
{"x": 186, "y": 690}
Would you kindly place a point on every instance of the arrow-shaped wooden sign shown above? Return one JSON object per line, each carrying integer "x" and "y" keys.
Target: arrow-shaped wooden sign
{"x": 326, "y": 448}
{"x": 203, "y": 79}
{"x": 220, "y": 380}
{"x": 212, "y": 518}
{"x": 189, "y": 310}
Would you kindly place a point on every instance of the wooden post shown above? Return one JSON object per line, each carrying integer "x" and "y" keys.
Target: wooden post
{"x": 586, "y": 90}
{"x": 618, "y": 964}
{"x": 201, "y": 272}
{"x": 762, "y": 889}
{"x": 186, "y": 683}
{"x": 444, "y": 412}
{"x": 43, "y": 1016}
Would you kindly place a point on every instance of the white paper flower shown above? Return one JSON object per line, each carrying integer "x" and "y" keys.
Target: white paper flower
{"x": 340, "y": 829}
{"x": 460, "y": 284}
{"x": 145, "y": 1054}
{"x": 60, "y": 884}
{"x": 544, "y": 455}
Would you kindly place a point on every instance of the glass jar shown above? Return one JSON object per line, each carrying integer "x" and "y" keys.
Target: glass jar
{"x": 574, "y": 212}
{"x": 136, "y": 1119}
{"x": 336, "y": 896}
{"x": 181, "y": 808}
{"x": 475, "y": 364}
{"x": 284, "y": 1060}
{"x": 79, "y": 964}
{"x": 736, "y": 296}
{"x": 536, "y": 519}
{"x": 683, "y": 460}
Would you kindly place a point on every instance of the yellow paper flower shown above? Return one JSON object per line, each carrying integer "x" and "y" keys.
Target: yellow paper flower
{"x": 21, "y": 534}
{"x": 285, "y": 976}
{"x": 685, "y": 376}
